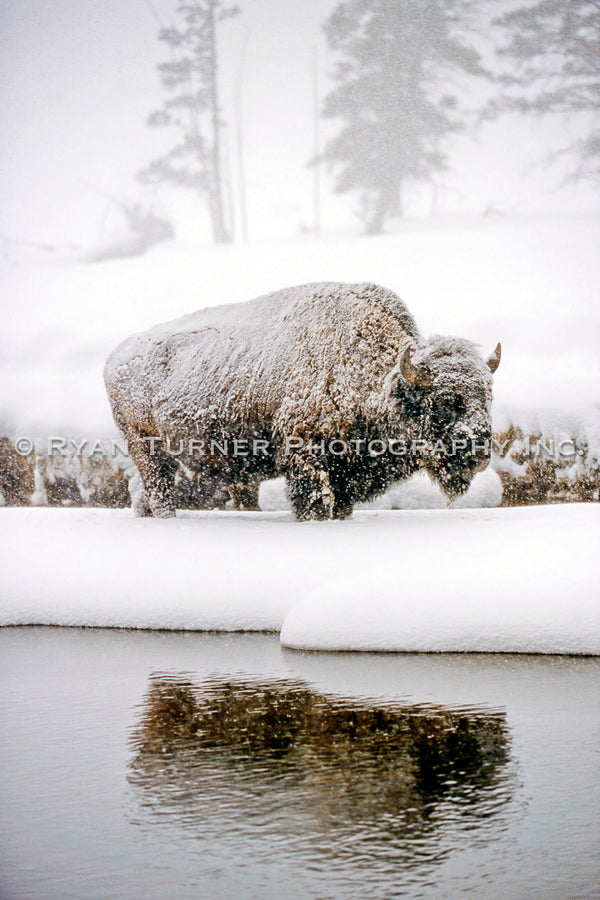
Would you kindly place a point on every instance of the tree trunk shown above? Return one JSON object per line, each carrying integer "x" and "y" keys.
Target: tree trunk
{"x": 215, "y": 206}
{"x": 397, "y": 208}
{"x": 375, "y": 220}
{"x": 220, "y": 233}
{"x": 388, "y": 202}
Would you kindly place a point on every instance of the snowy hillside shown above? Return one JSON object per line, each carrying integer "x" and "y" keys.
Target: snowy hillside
{"x": 530, "y": 283}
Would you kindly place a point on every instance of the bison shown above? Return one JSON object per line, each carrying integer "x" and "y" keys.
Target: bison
{"x": 328, "y": 384}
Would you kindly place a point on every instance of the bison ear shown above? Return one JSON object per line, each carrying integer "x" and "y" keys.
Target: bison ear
{"x": 493, "y": 359}
{"x": 420, "y": 377}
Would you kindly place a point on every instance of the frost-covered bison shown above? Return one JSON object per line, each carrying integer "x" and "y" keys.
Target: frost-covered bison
{"x": 328, "y": 384}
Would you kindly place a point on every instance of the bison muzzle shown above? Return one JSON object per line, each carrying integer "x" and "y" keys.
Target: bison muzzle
{"x": 330, "y": 385}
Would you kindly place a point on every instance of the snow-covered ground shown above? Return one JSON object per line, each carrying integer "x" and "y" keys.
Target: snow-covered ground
{"x": 508, "y": 580}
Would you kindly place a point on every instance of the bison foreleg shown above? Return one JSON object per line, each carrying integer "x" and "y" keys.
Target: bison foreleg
{"x": 157, "y": 474}
{"x": 309, "y": 488}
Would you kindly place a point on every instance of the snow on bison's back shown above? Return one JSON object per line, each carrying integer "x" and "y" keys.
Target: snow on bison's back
{"x": 329, "y": 384}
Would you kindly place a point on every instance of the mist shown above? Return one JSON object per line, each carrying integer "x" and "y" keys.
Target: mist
{"x": 80, "y": 79}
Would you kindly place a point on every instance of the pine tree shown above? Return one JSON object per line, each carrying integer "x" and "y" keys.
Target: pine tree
{"x": 553, "y": 48}
{"x": 397, "y": 62}
{"x": 191, "y": 105}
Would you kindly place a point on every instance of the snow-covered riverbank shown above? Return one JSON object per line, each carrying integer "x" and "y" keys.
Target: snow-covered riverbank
{"x": 508, "y": 580}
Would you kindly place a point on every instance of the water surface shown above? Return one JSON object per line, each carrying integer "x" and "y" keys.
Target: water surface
{"x": 200, "y": 765}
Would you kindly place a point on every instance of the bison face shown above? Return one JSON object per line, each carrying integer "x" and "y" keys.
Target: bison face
{"x": 448, "y": 387}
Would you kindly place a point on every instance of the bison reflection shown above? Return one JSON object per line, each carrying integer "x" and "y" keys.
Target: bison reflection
{"x": 330, "y": 759}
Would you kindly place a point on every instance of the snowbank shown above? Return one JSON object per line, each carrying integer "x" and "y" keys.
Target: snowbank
{"x": 507, "y": 580}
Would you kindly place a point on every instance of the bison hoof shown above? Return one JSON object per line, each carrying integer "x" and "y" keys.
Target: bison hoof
{"x": 163, "y": 513}
{"x": 314, "y": 514}
{"x": 343, "y": 512}
{"x": 145, "y": 510}
{"x": 142, "y": 512}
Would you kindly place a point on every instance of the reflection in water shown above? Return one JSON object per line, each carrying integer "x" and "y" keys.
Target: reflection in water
{"x": 384, "y": 783}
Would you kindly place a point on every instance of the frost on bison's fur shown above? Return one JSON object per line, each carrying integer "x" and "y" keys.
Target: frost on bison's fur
{"x": 305, "y": 380}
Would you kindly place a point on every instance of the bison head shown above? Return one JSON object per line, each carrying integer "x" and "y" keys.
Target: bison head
{"x": 445, "y": 390}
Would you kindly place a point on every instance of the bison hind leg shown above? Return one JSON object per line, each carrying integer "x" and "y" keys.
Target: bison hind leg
{"x": 152, "y": 494}
{"x": 139, "y": 500}
{"x": 244, "y": 496}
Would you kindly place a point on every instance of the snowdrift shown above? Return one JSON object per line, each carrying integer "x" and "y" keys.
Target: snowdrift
{"x": 505, "y": 580}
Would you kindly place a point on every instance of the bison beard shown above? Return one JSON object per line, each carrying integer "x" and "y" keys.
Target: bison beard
{"x": 298, "y": 370}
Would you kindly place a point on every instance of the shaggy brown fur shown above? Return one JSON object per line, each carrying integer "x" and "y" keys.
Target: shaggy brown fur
{"x": 313, "y": 363}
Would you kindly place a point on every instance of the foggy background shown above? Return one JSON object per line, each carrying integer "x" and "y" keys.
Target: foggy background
{"x": 79, "y": 79}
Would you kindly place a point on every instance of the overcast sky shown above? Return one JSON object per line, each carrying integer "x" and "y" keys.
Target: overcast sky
{"x": 78, "y": 80}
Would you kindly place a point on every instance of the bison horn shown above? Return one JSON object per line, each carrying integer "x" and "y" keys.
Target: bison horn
{"x": 418, "y": 376}
{"x": 493, "y": 359}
